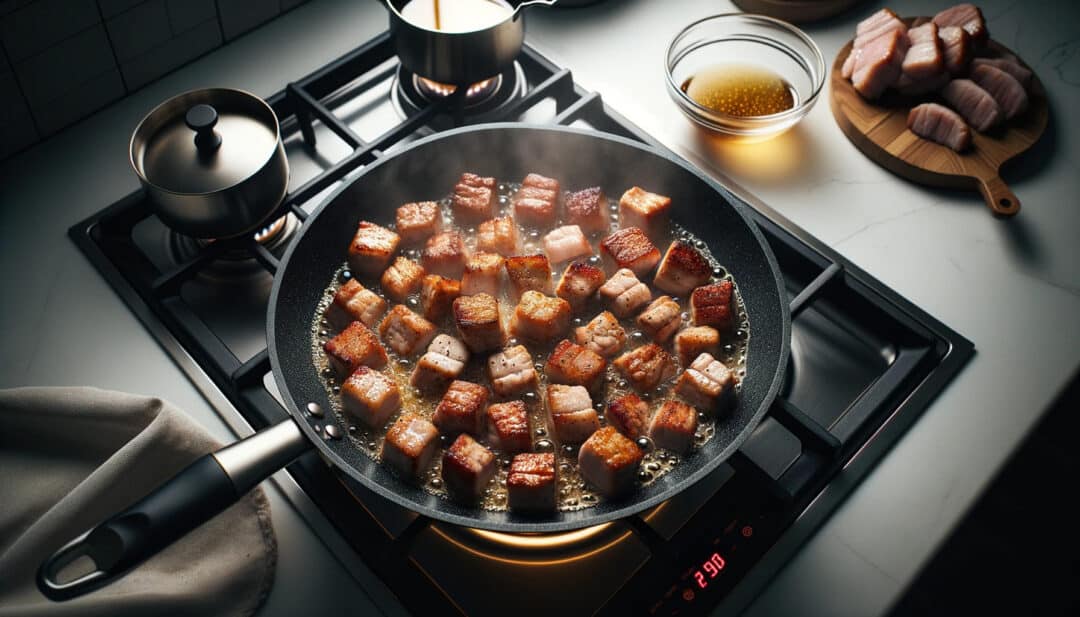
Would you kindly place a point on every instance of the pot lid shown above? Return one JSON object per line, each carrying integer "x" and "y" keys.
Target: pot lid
{"x": 204, "y": 141}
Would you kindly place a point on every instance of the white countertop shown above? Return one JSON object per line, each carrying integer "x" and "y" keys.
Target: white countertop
{"x": 1011, "y": 286}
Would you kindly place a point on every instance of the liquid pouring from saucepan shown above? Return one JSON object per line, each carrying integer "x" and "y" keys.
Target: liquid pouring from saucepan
{"x": 455, "y": 15}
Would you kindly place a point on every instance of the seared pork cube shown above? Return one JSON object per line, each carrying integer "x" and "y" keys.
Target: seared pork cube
{"x": 565, "y": 243}
{"x": 527, "y": 272}
{"x": 535, "y": 203}
{"x": 707, "y": 384}
{"x": 402, "y": 279}
{"x": 461, "y": 409}
{"x": 712, "y": 305}
{"x": 478, "y": 322}
{"x": 629, "y": 414}
{"x": 442, "y": 363}
{"x": 474, "y": 199}
{"x": 483, "y": 274}
{"x": 609, "y": 461}
{"x": 572, "y": 415}
{"x": 437, "y": 295}
{"x": 405, "y": 331}
{"x": 540, "y": 318}
{"x": 579, "y": 283}
{"x": 499, "y": 235}
{"x": 646, "y": 367}
{"x": 603, "y": 335}
{"x": 354, "y": 346}
{"x": 530, "y": 485}
{"x": 445, "y": 254}
{"x": 629, "y": 248}
{"x": 511, "y": 371}
{"x": 508, "y": 427}
{"x": 410, "y": 445}
{"x": 353, "y": 302}
{"x": 573, "y": 364}
{"x": 418, "y": 221}
{"x": 694, "y": 341}
{"x": 673, "y": 426}
{"x": 682, "y": 269}
{"x": 661, "y": 319}
{"x": 467, "y": 468}
{"x": 588, "y": 209}
{"x": 370, "y": 397}
{"x": 371, "y": 248}
{"x": 647, "y": 211}
{"x": 624, "y": 293}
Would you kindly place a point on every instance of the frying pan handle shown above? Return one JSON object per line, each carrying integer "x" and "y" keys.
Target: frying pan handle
{"x": 190, "y": 498}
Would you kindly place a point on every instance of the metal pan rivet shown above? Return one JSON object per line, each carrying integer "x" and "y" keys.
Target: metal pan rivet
{"x": 332, "y": 431}
{"x": 315, "y": 410}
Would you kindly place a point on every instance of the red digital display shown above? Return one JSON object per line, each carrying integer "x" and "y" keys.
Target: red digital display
{"x": 709, "y": 570}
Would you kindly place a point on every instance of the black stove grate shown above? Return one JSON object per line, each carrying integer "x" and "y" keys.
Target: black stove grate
{"x": 772, "y": 494}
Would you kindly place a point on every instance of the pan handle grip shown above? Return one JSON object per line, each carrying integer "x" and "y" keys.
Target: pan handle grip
{"x": 190, "y": 498}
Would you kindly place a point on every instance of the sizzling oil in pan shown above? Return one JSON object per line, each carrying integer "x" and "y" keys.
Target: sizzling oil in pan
{"x": 574, "y": 492}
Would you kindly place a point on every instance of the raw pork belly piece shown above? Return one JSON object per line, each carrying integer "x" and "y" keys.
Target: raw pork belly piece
{"x": 694, "y": 341}
{"x": 511, "y": 371}
{"x": 976, "y": 105}
{"x": 539, "y": 317}
{"x": 682, "y": 269}
{"x": 572, "y": 415}
{"x": 529, "y": 272}
{"x": 646, "y": 367}
{"x": 575, "y": 365}
{"x": 579, "y": 283}
{"x": 410, "y": 445}
{"x": 467, "y": 468}
{"x": 437, "y": 295}
{"x": 706, "y": 384}
{"x": 402, "y": 279}
{"x": 924, "y": 58}
{"x": 474, "y": 199}
{"x": 629, "y": 248}
{"x": 445, "y": 254}
{"x": 646, "y": 211}
{"x": 371, "y": 248}
{"x": 967, "y": 16}
{"x": 673, "y": 426}
{"x": 354, "y": 346}
{"x": 370, "y": 397}
{"x": 609, "y": 461}
{"x": 958, "y": 48}
{"x": 629, "y": 414}
{"x": 530, "y": 485}
{"x": 461, "y": 408}
{"x": 353, "y": 302}
{"x": 1006, "y": 90}
{"x": 405, "y": 331}
{"x": 941, "y": 125}
{"x": 499, "y": 235}
{"x": 878, "y": 24}
{"x": 442, "y": 363}
{"x": 536, "y": 201}
{"x": 508, "y": 427}
{"x": 478, "y": 322}
{"x": 602, "y": 335}
{"x": 418, "y": 221}
{"x": 588, "y": 209}
{"x": 483, "y": 274}
{"x": 565, "y": 243}
{"x": 661, "y": 319}
{"x": 625, "y": 293}
{"x": 1008, "y": 64}
{"x": 878, "y": 64}
{"x": 712, "y": 305}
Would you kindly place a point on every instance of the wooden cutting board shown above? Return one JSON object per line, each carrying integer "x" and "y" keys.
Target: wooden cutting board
{"x": 879, "y": 130}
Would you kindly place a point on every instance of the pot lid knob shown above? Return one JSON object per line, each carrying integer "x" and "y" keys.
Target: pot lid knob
{"x": 201, "y": 118}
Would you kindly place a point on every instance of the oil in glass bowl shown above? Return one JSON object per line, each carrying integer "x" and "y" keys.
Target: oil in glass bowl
{"x": 740, "y": 90}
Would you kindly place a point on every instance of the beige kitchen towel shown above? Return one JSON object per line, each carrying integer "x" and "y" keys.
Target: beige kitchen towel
{"x": 72, "y": 457}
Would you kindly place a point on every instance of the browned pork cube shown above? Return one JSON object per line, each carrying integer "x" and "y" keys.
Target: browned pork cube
{"x": 629, "y": 414}
{"x": 370, "y": 397}
{"x": 527, "y": 272}
{"x": 540, "y": 318}
{"x": 647, "y": 211}
{"x": 474, "y": 199}
{"x": 535, "y": 202}
{"x": 573, "y": 364}
{"x": 572, "y": 415}
{"x": 609, "y": 461}
{"x": 499, "y": 235}
{"x": 711, "y": 305}
{"x": 508, "y": 426}
{"x": 673, "y": 426}
{"x": 371, "y": 248}
{"x": 437, "y": 295}
{"x": 646, "y": 367}
{"x": 354, "y": 346}
{"x": 624, "y": 293}
{"x": 682, "y": 269}
{"x": 692, "y": 342}
{"x": 661, "y": 319}
{"x": 579, "y": 284}
{"x": 443, "y": 362}
{"x": 629, "y": 248}
{"x": 354, "y": 302}
{"x": 707, "y": 384}
{"x": 467, "y": 468}
{"x": 418, "y": 221}
{"x": 402, "y": 279}
{"x": 530, "y": 485}
{"x": 410, "y": 445}
{"x": 478, "y": 322}
{"x": 445, "y": 254}
{"x": 405, "y": 331}
{"x": 483, "y": 274}
{"x": 461, "y": 409}
{"x": 588, "y": 209}
{"x": 511, "y": 371}
{"x": 602, "y": 335}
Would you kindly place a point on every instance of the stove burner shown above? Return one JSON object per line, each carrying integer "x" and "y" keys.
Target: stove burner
{"x": 274, "y": 236}
{"x": 535, "y": 549}
{"x": 475, "y": 94}
{"x": 484, "y": 101}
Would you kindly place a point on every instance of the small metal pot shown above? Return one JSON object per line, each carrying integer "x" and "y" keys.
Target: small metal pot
{"x": 459, "y": 57}
{"x": 212, "y": 162}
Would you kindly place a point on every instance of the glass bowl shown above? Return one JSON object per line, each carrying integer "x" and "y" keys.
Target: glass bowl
{"x": 754, "y": 40}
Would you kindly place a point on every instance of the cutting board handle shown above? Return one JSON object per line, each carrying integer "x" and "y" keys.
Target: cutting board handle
{"x": 998, "y": 196}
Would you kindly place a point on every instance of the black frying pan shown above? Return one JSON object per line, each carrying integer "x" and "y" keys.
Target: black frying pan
{"x": 425, "y": 170}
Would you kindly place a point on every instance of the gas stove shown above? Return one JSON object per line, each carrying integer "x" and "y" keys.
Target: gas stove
{"x": 864, "y": 364}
